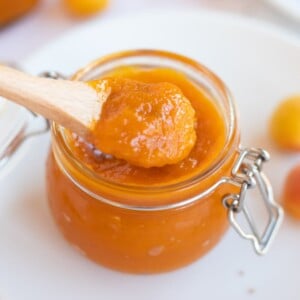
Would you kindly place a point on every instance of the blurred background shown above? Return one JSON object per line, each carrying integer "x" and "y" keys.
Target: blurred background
{"x": 26, "y": 25}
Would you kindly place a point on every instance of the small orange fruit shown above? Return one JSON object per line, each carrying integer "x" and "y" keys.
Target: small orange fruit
{"x": 291, "y": 193}
{"x": 85, "y": 7}
{"x": 285, "y": 124}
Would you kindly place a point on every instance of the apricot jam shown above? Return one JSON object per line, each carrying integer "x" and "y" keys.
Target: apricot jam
{"x": 144, "y": 123}
{"x": 147, "y": 220}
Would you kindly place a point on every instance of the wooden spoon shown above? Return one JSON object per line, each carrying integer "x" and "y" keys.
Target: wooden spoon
{"x": 146, "y": 139}
{"x": 73, "y": 104}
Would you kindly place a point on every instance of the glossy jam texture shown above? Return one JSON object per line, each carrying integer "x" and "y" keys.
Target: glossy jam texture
{"x": 145, "y": 124}
{"x": 210, "y": 137}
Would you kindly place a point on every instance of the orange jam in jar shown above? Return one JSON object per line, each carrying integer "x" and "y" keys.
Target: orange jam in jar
{"x": 147, "y": 220}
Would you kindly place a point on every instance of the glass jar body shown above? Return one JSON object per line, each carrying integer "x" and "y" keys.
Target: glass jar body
{"x": 177, "y": 225}
{"x": 135, "y": 241}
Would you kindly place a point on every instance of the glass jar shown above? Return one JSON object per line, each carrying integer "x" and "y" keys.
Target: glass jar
{"x": 17, "y": 125}
{"x": 154, "y": 229}
{"x": 12, "y": 9}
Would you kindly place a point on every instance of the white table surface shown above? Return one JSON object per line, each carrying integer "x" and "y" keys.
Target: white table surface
{"x": 49, "y": 20}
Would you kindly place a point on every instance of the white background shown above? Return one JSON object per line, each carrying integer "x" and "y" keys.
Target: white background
{"x": 49, "y": 20}
{"x": 37, "y": 264}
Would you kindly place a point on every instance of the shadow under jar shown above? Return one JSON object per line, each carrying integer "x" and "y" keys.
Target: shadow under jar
{"x": 159, "y": 219}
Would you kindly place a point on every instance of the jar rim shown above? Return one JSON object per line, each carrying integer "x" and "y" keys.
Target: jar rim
{"x": 231, "y": 142}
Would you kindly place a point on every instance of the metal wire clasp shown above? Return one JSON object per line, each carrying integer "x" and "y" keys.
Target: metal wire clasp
{"x": 247, "y": 174}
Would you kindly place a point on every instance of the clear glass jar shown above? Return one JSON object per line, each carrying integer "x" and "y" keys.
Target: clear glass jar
{"x": 153, "y": 229}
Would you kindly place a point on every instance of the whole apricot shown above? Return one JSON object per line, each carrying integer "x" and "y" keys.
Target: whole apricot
{"x": 85, "y": 7}
{"x": 285, "y": 124}
{"x": 291, "y": 193}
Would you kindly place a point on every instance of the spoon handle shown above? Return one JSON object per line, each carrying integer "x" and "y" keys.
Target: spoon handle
{"x": 72, "y": 104}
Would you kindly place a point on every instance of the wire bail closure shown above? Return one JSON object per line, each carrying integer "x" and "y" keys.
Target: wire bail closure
{"x": 247, "y": 174}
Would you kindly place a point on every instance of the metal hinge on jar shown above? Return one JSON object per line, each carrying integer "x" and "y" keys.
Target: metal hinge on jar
{"x": 247, "y": 174}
